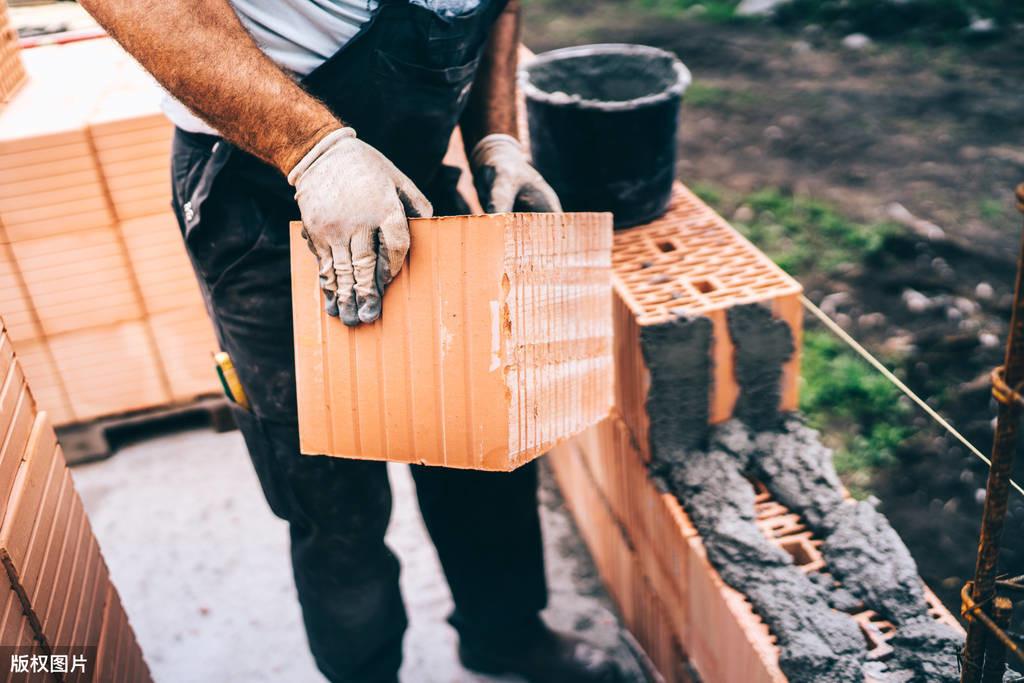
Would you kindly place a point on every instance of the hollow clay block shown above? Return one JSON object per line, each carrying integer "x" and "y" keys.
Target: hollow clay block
{"x": 494, "y": 344}
{"x": 688, "y": 284}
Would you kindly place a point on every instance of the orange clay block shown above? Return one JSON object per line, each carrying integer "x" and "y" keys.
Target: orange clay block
{"x": 185, "y": 343}
{"x": 162, "y": 268}
{"x": 19, "y": 316}
{"x": 60, "y": 593}
{"x": 36, "y": 359}
{"x": 78, "y": 280}
{"x": 495, "y": 344}
{"x": 648, "y": 613}
{"x": 692, "y": 262}
{"x": 109, "y": 369}
{"x": 119, "y": 658}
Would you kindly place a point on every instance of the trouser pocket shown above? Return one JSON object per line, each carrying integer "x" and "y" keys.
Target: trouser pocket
{"x": 207, "y": 198}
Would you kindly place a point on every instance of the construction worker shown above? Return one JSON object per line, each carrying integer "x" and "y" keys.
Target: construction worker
{"x": 339, "y": 112}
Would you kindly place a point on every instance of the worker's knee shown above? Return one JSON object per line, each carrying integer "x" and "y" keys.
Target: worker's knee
{"x": 345, "y": 501}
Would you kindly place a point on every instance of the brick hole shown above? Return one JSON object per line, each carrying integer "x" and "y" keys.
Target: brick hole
{"x": 874, "y": 640}
{"x": 703, "y": 286}
{"x": 799, "y": 551}
{"x": 886, "y": 627}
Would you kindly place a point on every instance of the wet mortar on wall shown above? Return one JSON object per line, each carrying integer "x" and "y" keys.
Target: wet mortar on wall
{"x": 868, "y": 566}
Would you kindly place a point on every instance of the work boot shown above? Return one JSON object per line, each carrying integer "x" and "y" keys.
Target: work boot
{"x": 548, "y": 657}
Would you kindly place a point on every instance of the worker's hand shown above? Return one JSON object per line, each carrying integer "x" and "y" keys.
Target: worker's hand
{"x": 505, "y": 180}
{"x": 354, "y": 204}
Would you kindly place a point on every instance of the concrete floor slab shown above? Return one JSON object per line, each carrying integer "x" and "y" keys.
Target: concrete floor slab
{"x": 202, "y": 567}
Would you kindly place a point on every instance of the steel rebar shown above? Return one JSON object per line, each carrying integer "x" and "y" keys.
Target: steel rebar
{"x": 1004, "y": 448}
{"x": 995, "y": 652}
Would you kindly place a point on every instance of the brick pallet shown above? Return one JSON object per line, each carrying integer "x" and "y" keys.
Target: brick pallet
{"x": 688, "y": 265}
{"x": 60, "y": 593}
{"x": 494, "y": 344}
{"x": 95, "y": 284}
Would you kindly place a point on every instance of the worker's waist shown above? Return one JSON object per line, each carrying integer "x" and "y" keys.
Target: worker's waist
{"x": 198, "y": 139}
{"x": 215, "y": 155}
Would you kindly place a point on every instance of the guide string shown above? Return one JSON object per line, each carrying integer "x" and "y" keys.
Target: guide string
{"x": 834, "y": 327}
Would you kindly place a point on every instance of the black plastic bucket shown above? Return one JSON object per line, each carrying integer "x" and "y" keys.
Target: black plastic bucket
{"x": 603, "y": 122}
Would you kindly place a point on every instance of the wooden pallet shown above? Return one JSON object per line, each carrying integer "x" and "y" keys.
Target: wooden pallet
{"x": 101, "y": 438}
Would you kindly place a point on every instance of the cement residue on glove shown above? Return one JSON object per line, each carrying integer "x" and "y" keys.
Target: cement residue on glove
{"x": 354, "y": 204}
{"x": 506, "y": 181}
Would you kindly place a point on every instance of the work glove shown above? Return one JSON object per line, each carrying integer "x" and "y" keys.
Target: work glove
{"x": 354, "y": 204}
{"x": 506, "y": 181}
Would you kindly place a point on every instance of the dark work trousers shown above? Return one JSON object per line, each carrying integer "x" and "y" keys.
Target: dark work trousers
{"x": 401, "y": 84}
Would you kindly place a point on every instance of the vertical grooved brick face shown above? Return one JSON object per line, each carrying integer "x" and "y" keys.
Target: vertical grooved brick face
{"x": 494, "y": 344}
{"x": 58, "y": 590}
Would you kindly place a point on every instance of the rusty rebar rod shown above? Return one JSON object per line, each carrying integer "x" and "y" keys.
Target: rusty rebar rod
{"x": 969, "y": 610}
{"x": 1004, "y": 448}
{"x": 995, "y": 651}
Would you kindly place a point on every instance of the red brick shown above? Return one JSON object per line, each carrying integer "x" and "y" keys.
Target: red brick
{"x": 26, "y": 498}
{"x": 18, "y": 411}
{"x": 57, "y": 600}
{"x": 30, "y": 567}
{"x": 42, "y": 595}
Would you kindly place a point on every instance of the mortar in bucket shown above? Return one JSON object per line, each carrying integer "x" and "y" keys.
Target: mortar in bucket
{"x": 603, "y": 122}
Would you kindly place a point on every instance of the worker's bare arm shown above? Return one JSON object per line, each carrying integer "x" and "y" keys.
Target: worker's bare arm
{"x": 492, "y": 102}
{"x": 200, "y": 52}
{"x": 504, "y": 178}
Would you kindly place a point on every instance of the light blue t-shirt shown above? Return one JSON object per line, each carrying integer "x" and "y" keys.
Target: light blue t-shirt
{"x": 300, "y": 35}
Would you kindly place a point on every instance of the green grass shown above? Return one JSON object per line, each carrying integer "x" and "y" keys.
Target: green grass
{"x": 994, "y": 211}
{"x": 711, "y": 194}
{"x": 856, "y": 408}
{"x": 710, "y": 10}
{"x": 802, "y": 235}
{"x": 704, "y": 96}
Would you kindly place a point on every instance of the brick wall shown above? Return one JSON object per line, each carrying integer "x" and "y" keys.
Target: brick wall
{"x": 59, "y": 591}
{"x": 688, "y": 263}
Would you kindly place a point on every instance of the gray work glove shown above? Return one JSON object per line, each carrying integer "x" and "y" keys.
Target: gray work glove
{"x": 354, "y": 204}
{"x": 506, "y": 181}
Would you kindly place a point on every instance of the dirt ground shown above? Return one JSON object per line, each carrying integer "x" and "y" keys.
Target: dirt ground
{"x": 934, "y": 128}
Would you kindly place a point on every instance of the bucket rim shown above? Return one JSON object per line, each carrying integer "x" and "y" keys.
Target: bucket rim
{"x": 531, "y": 91}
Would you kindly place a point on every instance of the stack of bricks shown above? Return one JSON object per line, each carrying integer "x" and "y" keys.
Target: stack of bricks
{"x": 12, "y": 71}
{"x": 59, "y": 598}
{"x": 688, "y": 265}
{"x": 96, "y": 286}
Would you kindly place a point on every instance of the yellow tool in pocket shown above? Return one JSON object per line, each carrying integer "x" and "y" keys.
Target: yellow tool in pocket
{"x": 229, "y": 379}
